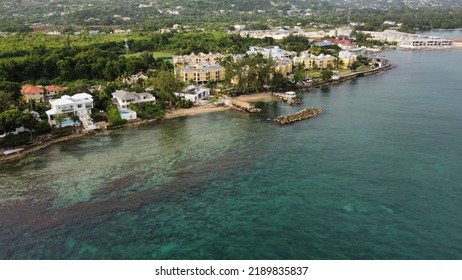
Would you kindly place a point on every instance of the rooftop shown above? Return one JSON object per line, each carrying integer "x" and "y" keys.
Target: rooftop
{"x": 31, "y": 89}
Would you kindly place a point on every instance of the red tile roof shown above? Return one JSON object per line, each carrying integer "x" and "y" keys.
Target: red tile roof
{"x": 31, "y": 89}
{"x": 343, "y": 42}
{"x": 55, "y": 88}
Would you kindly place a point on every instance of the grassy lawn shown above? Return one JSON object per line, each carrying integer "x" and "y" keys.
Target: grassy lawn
{"x": 314, "y": 74}
{"x": 364, "y": 68}
{"x": 162, "y": 55}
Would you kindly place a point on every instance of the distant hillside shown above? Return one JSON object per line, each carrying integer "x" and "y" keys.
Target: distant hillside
{"x": 155, "y": 14}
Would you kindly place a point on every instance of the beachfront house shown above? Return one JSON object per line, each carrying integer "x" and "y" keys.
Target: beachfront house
{"x": 193, "y": 93}
{"x": 379, "y": 61}
{"x": 122, "y": 99}
{"x": 79, "y": 104}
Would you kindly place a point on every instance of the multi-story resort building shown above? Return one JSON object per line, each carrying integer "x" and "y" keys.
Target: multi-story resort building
{"x": 419, "y": 42}
{"x": 200, "y": 68}
{"x": 200, "y": 73}
{"x": 284, "y": 66}
{"x": 346, "y": 59}
{"x": 310, "y": 61}
{"x": 79, "y": 105}
{"x": 411, "y": 41}
{"x": 200, "y": 58}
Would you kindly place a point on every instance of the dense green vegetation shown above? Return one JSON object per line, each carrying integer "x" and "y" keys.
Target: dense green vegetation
{"x": 249, "y": 74}
{"x": 49, "y": 59}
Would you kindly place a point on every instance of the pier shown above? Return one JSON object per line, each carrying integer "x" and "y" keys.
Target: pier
{"x": 289, "y": 97}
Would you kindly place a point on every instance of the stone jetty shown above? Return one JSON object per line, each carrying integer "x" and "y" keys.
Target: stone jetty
{"x": 289, "y": 97}
{"x": 298, "y": 116}
{"x": 244, "y": 106}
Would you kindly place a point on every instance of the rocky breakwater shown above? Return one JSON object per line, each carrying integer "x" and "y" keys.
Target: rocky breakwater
{"x": 289, "y": 97}
{"x": 298, "y": 116}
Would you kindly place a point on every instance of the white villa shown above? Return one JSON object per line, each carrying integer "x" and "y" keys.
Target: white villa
{"x": 274, "y": 52}
{"x": 122, "y": 99}
{"x": 79, "y": 104}
{"x": 194, "y": 93}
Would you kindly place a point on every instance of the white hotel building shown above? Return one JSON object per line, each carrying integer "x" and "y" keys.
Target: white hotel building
{"x": 418, "y": 42}
{"x": 411, "y": 41}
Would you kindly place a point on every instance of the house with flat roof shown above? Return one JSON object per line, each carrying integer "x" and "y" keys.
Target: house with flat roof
{"x": 379, "y": 61}
{"x": 193, "y": 93}
{"x": 79, "y": 104}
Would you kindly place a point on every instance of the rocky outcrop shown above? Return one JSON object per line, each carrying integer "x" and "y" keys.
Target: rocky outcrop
{"x": 298, "y": 116}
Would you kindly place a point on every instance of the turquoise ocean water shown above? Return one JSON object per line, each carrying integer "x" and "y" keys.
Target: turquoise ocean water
{"x": 376, "y": 176}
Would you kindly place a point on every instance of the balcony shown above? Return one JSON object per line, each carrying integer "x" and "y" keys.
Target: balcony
{"x": 67, "y": 110}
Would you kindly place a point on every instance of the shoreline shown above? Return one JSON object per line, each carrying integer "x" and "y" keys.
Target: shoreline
{"x": 201, "y": 109}
{"x": 257, "y": 97}
{"x": 35, "y": 147}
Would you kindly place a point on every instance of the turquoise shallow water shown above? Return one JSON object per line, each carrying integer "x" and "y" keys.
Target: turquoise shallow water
{"x": 376, "y": 176}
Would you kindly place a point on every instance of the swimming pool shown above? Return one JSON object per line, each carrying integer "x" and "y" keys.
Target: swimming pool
{"x": 67, "y": 122}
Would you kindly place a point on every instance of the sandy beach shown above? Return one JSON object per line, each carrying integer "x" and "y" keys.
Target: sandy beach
{"x": 195, "y": 111}
{"x": 258, "y": 97}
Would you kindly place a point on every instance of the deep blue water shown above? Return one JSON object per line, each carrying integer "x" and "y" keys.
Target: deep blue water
{"x": 375, "y": 176}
